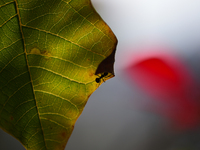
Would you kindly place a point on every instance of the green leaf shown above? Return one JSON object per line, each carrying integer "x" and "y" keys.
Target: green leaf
{"x": 51, "y": 52}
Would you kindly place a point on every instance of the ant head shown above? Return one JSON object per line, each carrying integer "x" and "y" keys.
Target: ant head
{"x": 97, "y": 80}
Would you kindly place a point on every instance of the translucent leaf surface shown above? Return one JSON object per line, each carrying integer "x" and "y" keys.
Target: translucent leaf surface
{"x": 50, "y": 51}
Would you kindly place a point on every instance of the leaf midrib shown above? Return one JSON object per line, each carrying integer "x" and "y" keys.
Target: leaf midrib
{"x": 28, "y": 68}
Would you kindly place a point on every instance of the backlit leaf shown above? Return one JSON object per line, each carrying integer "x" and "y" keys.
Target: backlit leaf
{"x": 50, "y": 51}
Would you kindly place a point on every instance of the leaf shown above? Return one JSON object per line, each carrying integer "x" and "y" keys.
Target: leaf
{"x": 49, "y": 54}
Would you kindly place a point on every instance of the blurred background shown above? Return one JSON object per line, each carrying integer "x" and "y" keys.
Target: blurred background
{"x": 152, "y": 103}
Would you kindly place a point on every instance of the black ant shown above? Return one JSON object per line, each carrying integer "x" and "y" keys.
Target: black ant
{"x": 101, "y": 77}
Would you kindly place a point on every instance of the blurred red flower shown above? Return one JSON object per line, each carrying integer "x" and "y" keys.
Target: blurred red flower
{"x": 168, "y": 80}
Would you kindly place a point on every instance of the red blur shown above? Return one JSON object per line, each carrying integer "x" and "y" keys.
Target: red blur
{"x": 168, "y": 80}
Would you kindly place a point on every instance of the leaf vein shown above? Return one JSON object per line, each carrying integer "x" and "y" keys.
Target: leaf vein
{"x": 10, "y": 62}
{"x": 24, "y": 103}
{"x": 60, "y": 59}
{"x": 91, "y": 22}
{"x": 10, "y": 44}
{"x": 29, "y": 121}
{"x": 7, "y": 3}
{"x": 57, "y": 114}
{"x": 55, "y": 73}
{"x": 24, "y": 115}
{"x": 12, "y": 96}
{"x": 62, "y": 38}
{"x": 22, "y": 34}
{"x": 54, "y": 122}
{"x": 13, "y": 79}
{"x": 56, "y": 96}
{"x": 8, "y": 20}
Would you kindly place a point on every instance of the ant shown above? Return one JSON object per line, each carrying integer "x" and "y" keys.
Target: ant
{"x": 101, "y": 77}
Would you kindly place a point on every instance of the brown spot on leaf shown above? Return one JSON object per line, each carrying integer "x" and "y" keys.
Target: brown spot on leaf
{"x": 63, "y": 146}
{"x": 11, "y": 118}
{"x": 46, "y": 54}
{"x": 89, "y": 95}
{"x": 91, "y": 74}
{"x": 64, "y": 134}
